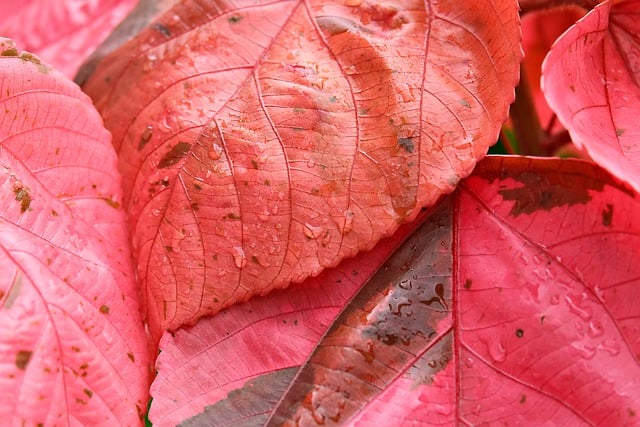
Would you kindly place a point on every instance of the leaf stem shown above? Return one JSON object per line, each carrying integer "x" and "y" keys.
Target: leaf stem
{"x": 525, "y": 121}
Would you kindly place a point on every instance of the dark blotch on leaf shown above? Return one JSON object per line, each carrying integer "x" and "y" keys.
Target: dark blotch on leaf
{"x": 22, "y": 359}
{"x": 607, "y": 215}
{"x": 174, "y": 155}
{"x": 162, "y": 29}
{"x": 467, "y": 284}
{"x": 235, "y": 19}
{"x": 23, "y": 196}
{"x": 104, "y": 309}
{"x": 406, "y": 144}
{"x": 145, "y": 137}
{"x": 519, "y": 333}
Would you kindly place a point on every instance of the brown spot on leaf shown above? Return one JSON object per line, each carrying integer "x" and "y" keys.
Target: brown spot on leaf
{"x": 23, "y": 195}
{"x": 22, "y": 359}
{"x": 113, "y": 203}
{"x": 145, "y": 137}
{"x": 174, "y": 155}
{"x": 88, "y": 392}
{"x": 104, "y": 309}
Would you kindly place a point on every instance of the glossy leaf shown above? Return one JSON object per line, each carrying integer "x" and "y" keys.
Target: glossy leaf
{"x": 73, "y": 350}
{"x": 590, "y": 79}
{"x": 262, "y": 142}
{"x": 514, "y": 303}
{"x": 61, "y": 32}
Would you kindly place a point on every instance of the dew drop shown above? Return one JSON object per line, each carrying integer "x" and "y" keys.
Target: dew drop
{"x": 215, "y": 152}
{"x": 599, "y": 293}
{"x": 222, "y": 273}
{"x": 575, "y": 308}
{"x": 595, "y": 329}
{"x": 555, "y": 299}
{"x": 497, "y": 351}
{"x": 239, "y": 258}
{"x": 156, "y": 212}
{"x": 347, "y": 225}
{"x": 312, "y": 232}
{"x": 468, "y": 362}
{"x": 611, "y": 347}
{"x": 311, "y": 163}
{"x": 586, "y": 351}
{"x": 264, "y": 215}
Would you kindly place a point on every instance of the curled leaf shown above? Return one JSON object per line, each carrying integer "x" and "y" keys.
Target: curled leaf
{"x": 591, "y": 80}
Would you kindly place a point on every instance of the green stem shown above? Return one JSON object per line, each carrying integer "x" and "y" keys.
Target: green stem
{"x": 525, "y": 121}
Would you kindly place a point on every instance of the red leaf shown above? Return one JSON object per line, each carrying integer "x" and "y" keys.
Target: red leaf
{"x": 590, "y": 79}
{"x": 73, "y": 345}
{"x": 539, "y": 30}
{"x": 62, "y": 32}
{"x": 514, "y": 303}
{"x": 263, "y": 142}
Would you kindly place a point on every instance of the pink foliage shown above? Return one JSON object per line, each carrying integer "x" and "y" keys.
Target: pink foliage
{"x": 73, "y": 345}
{"x": 500, "y": 308}
{"x": 254, "y": 159}
{"x": 62, "y": 32}
{"x": 591, "y": 79}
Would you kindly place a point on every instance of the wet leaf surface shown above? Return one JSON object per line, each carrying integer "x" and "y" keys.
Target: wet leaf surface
{"x": 314, "y": 129}
{"x": 73, "y": 345}
{"x": 591, "y": 78}
{"x": 526, "y": 316}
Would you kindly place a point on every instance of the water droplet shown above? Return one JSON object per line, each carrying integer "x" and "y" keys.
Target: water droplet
{"x": 586, "y": 351}
{"x": 555, "y": 299}
{"x": 468, "y": 362}
{"x": 239, "y": 258}
{"x": 497, "y": 351}
{"x": 222, "y": 273}
{"x": 264, "y": 215}
{"x": 599, "y": 293}
{"x": 583, "y": 313}
{"x": 312, "y": 232}
{"x": 347, "y": 224}
{"x": 156, "y": 212}
{"x": 272, "y": 250}
{"x": 311, "y": 163}
{"x": 215, "y": 152}
{"x": 611, "y": 347}
{"x": 595, "y": 329}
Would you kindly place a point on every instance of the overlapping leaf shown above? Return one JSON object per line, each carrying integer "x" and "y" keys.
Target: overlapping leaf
{"x": 61, "y": 32}
{"x": 509, "y": 305}
{"x": 591, "y": 80}
{"x": 72, "y": 345}
{"x": 261, "y": 142}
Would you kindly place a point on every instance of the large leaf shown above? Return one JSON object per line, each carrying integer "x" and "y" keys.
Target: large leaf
{"x": 591, "y": 80}
{"x": 514, "y": 303}
{"x": 62, "y": 32}
{"x": 261, "y": 142}
{"x": 73, "y": 350}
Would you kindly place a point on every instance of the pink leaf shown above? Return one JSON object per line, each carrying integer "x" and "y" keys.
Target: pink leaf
{"x": 590, "y": 79}
{"x": 73, "y": 347}
{"x": 62, "y": 32}
{"x": 262, "y": 142}
{"x": 514, "y": 303}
